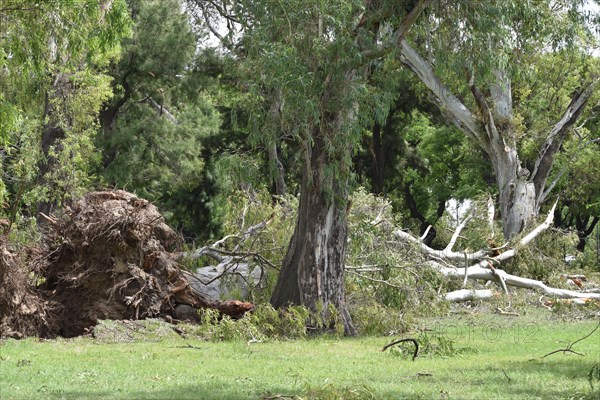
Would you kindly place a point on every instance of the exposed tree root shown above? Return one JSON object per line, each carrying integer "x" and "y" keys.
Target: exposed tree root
{"x": 107, "y": 257}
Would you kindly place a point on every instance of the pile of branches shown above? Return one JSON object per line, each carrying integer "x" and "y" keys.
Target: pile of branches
{"x": 485, "y": 265}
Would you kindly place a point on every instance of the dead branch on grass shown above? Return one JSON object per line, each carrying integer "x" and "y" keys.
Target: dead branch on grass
{"x": 485, "y": 267}
{"x": 414, "y": 341}
{"x": 569, "y": 349}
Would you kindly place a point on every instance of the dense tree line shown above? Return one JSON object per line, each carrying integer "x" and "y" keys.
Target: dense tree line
{"x": 421, "y": 101}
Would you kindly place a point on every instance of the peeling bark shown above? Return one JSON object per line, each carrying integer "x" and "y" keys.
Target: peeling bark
{"x": 312, "y": 273}
{"x": 521, "y": 195}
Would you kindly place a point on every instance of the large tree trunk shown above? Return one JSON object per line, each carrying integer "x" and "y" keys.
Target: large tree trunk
{"x": 312, "y": 273}
{"x": 517, "y": 194}
{"x": 521, "y": 193}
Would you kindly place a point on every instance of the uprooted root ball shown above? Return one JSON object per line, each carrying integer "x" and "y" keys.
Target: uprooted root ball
{"x": 23, "y": 310}
{"x": 108, "y": 257}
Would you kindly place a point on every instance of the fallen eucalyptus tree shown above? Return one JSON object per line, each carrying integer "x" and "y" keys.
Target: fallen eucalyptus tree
{"x": 485, "y": 265}
{"x": 247, "y": 268}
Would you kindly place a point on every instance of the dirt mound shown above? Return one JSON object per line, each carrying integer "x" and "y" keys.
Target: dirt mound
{"x": 23, "y": 312}
{"x": 109, "y": 257}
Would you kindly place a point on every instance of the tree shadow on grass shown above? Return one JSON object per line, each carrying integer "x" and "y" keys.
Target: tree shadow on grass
{"x": 207, "y": 390}
{"x": 546, "y": 378}
{"x": 214, "y": 391}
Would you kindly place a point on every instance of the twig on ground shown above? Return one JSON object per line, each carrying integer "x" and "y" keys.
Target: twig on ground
{"x": 568, "y": 349}
{"x": 503, "y": 312}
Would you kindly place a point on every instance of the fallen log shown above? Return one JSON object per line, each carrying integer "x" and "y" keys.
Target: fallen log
{"x": 467, "y": 295}
{"x": 486, "y": 267}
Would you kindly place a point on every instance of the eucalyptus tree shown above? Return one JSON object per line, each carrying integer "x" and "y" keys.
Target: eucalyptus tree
{"x": 52, "y": 56}
{"x": 416, "y": 159}
{"x": 474, "y": 58}
{"x": 315, "y": 56}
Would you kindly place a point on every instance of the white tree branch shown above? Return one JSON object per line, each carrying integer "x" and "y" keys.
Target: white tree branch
{"x": 480, "y": 273}
{"x": 447, "y": 253}
{"x": 463, "y": 118}
{"x": 467, "y": 294}
{"x": 557, "y": 135}
{"x": 456, "y": 233}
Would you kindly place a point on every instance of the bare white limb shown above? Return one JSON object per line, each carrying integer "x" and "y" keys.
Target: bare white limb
{"x": 463, "y": 118}
{"x": 491, "y": 211}
{"x": 425, "y": 233}
{"x": 456, "y": 233}
{"x": 480, "y": 273}
{"x": 447, "y": 253}
{"x": 467, "y": 294}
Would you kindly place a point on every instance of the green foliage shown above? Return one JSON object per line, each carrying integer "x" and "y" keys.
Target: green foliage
{"x": 381, "y": 273}
{"x": 288, "y": 323}
{"x": 265, "y": 323}
{"x": 76, "y": 156}
{"x": 543, "y": 257}
{"x": 441, "y": 164}
{"x": 372, "y": 317}
{"x": 167, "y": 160}
{"x": 156, "y": 130}
{"x": 243, "y": 209}
{"x": 504, "y": 34}
{"x": 312, "y": 75}
{"x": 541, "y": 97}
{"x": 53, "y": 56}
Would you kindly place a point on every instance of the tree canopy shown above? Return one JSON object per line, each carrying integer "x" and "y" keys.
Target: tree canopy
{"x": 189, "y": 103}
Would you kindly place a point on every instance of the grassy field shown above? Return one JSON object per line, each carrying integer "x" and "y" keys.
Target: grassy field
{"x": 487, "y": 357}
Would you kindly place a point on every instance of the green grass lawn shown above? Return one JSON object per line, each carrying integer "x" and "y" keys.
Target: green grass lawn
{"x": 492, "y": 361}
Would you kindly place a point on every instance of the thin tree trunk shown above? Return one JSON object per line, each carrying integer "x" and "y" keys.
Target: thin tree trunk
{"x": 52, "y": 136}
{"x": 584, "y": 230}
{"x": 278, "y": 171}
{"x": 378, "y": 160}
